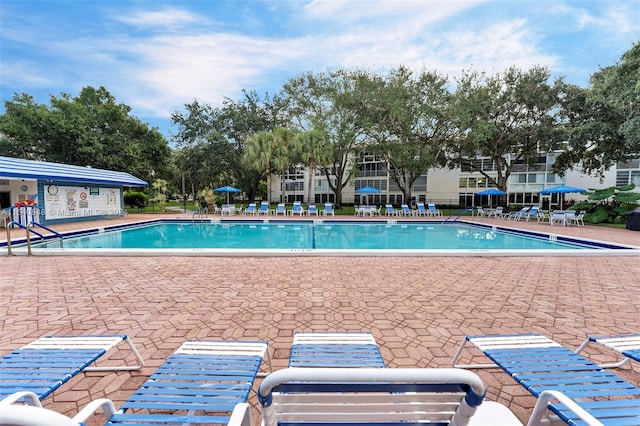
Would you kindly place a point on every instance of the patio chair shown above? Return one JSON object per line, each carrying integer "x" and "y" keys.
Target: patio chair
{"x": 422, "y": 210}
{"x": 627, "y": 345}
{"x": 264, "y": 208}
{"x": 498, "y": 213}
{"x": 406, "y": 211}
{"x": 346, "y": 349}
{"x": 251, "y": 209}
{"x": 390, "y": 211}
{"x": 540, "y": 364}
{"x": 558, "y": 217}
{"x": 201, "y": 383}
{"x": 433, "y": 210}
{"x": 312, "y": 210}
{"x": 520, "y": 213}
{"x": 328, "y": 210}
{"x": 577, "y": 219}
{"x": 533, "y": 212}
{"x": 281, "y": 209}
{"x": 297, "y": 208}
{"x": 378, "y": 396}
{"x": 47, "y": 363}
{"x": 481, "y": 212}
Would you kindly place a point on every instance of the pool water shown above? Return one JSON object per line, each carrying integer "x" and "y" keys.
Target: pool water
{"x": 309, "y": 235}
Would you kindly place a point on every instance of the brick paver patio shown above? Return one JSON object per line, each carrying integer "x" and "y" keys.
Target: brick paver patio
{"x": 418, "y": 308}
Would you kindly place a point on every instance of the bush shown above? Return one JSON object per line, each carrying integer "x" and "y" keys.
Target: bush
{"x": 136, "y": 199}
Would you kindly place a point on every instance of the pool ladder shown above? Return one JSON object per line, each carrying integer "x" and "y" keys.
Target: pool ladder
{"x": 29, "y": 230}
{"x": 456, "y": 215}
{"x": 201, "y": 213}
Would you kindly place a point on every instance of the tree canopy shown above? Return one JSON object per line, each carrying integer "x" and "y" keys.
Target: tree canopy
{"x": 605, "y": 120}
{"x": 511, "y": 118}
{"x": 90, "y": 129}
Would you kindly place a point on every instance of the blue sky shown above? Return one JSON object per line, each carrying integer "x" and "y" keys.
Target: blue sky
{"x": 156, "y": 56}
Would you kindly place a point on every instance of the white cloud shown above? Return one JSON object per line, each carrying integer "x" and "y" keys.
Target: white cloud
{"x": 165, "y": 18}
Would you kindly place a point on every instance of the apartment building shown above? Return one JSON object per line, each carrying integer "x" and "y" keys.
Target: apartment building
{"x": 451, "y": 186}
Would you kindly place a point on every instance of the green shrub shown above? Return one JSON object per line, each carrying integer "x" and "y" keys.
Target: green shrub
{"x": 136, "y": 199}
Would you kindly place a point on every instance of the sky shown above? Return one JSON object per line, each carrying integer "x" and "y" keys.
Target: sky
{"x": 156, "y": 56}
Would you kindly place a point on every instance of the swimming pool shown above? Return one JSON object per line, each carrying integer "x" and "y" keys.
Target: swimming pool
{"x": 321, "y": 237}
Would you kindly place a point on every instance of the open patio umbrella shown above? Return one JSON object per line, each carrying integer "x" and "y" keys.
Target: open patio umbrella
{"x": 368, "y": 190}
{"x": 228, "y": 190}
{"x": 490, "y": 192}
{"x": 561, "y": 189}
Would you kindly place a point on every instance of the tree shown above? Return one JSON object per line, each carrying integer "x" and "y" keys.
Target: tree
{"x": 24, "y": 129}
{"x": 510, "y": 118}
{"x": 405, "y": 119}
{"x": 160, "y": 186}
{"x": 309, "y": 148}
{"x": 225, "y": 130}
{"x": 605, "y": 123}
{"x": 324, "y": 102}
{"x": 267, "y": 152}
{"x": 90, "y": 129}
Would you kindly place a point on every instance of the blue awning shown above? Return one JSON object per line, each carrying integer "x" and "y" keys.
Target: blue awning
{"x": 16, "y": 168}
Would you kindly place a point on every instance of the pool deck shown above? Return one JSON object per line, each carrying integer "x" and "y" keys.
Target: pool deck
{"x": 418, "y": 308}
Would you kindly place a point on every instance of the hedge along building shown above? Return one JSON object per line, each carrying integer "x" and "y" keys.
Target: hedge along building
{"x": 51, "y": 193}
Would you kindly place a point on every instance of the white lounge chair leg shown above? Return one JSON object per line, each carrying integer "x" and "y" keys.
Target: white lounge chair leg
{"x": 124, "y": 367}
{"x": 609, "y": 365}
{"x": 468, "y": 366}
{"x": 241, "y": 415}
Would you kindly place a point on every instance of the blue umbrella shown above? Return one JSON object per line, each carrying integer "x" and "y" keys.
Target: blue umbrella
{"x": 227, "y": 189}
{"x": 490, "y": 192}
{"x": 368, "y": 190}
{"x": 561, "y": 189}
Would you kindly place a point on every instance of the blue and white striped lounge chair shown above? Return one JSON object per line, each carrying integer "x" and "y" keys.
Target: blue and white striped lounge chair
{"x": 434, "y": 210}
{"x": 47, "y": 363}
{"x": 539, "y": 364}
{"x": 422, "y": 210}
{"x": 251, "y": 209}
{"x": 328, "y": 210}
{"x": 264, "y": 208}
{"x": 281, "y": 209}
{"x": 312, "y": 210}
{"x": 627, "y": 345}
{"x": 533, "y": 212}
{"x": 406, "y": 211}
{"x": 203, "y": 382}
{"x": 520, "y": 213}
{"x": 378, "y": 396}
{"x": 346, "y": 349}
{"x": 297, "y": 208}
{"x": 390, "y": 211}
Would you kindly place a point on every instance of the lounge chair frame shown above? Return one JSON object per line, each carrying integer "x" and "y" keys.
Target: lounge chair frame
{"x": 45, "y": 364}
{"x": 539, "y": 364}
{"x": 376, "y": 396}
{"x": 627, "y": 345}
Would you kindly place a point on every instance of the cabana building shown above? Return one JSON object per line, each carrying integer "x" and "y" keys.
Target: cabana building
{"x": 50, "y": 193}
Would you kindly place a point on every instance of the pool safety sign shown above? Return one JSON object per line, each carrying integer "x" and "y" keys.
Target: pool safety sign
{"x": 63, "y": 202}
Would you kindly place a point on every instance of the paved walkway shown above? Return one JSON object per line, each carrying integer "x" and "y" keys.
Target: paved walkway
{"x": 418, "y": 308}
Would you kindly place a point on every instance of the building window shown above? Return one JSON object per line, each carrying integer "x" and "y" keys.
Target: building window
{"x": 462, "y": 182}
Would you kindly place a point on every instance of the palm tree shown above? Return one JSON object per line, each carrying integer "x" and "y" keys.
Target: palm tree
{"x": 268, "y": 151}
{"x": 310, "y": 148}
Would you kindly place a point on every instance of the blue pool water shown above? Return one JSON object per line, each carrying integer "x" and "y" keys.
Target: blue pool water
{"x": 309, "y": 236}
